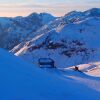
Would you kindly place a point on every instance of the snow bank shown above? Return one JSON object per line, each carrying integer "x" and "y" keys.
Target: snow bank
{"x": 22, "y": 81}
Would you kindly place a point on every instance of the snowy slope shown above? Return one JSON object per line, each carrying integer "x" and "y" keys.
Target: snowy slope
{"x": 75, "y": 43}
{"x": 70, "y": 40}
{"x": 22, "y": 81}
{"x": 92, "y": 69}
{"x": 14, "y": 30}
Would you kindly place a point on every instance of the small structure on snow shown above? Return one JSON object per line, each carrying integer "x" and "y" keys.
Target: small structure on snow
{"x": 46, "y": 63}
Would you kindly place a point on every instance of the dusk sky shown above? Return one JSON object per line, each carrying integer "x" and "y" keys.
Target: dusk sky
{"x": 12, "y": 8}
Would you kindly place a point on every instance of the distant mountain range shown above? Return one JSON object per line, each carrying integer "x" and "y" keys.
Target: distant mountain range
{"x": 14, "y": 30}
{"x": 69, "y": 40}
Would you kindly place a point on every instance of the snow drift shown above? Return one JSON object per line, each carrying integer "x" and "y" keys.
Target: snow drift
{"x": 22, "y": 81}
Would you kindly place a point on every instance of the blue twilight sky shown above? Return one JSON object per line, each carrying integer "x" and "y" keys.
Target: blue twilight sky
{"x": 55, "y": 7}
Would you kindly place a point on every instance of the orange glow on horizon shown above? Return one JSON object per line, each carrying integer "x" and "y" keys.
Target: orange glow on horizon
{"x": 13, "y": 10}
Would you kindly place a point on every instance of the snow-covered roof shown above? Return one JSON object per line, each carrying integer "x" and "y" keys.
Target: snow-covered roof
{"x": 45, "y": 60}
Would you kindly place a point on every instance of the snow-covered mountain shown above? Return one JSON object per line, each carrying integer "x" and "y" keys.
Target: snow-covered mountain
{"x": 14, "y": 30}
{"x": 20, "y": 80}
{"x": 94, "y": 12}
{"x": 69, "y": 40}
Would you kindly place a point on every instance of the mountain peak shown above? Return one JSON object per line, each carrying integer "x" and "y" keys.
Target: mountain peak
{"x": 73, "y": 13}
{"x": 93, "y": 12}
{"x": 95, "y": 9}
{"x": 40, "y": 14}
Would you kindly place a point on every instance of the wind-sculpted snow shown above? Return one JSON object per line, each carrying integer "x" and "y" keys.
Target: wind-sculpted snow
{"x": 23, "y": 81}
